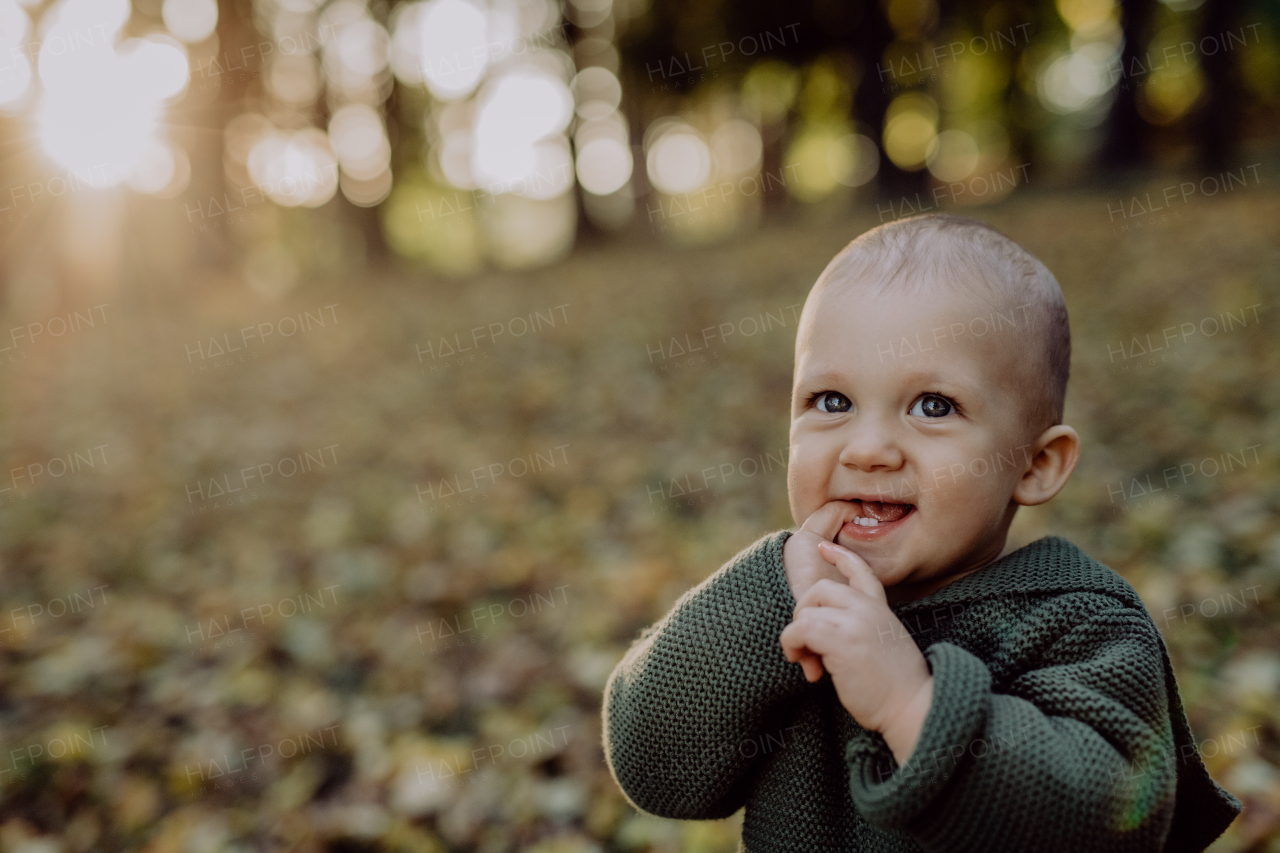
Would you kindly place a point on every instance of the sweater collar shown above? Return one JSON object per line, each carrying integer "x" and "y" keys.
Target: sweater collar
{"x": 1050, "y": 565}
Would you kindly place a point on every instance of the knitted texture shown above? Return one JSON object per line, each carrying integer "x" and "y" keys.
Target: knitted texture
{"x": 1055, "y": 726}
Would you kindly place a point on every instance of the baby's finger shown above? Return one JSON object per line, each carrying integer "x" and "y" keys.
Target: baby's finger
{"x": 827, "y": 593}
{"x": 809, "y": 662}
{"x": 812, "y": 666}
{"x": 812, "y": 634}
{"x": 827, "y": 520}
{"x": 854, "y": 568}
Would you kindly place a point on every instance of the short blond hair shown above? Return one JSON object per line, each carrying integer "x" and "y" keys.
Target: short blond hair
{"x": 973, "y": 256}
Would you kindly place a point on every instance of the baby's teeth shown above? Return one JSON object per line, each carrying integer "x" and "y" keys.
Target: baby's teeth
{"x": 866, "y": 522}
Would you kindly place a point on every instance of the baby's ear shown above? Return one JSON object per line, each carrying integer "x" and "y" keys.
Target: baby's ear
{"x": 1053, "y": 456}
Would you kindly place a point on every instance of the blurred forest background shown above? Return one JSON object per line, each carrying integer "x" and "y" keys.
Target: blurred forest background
{"x": 363, "y": 363}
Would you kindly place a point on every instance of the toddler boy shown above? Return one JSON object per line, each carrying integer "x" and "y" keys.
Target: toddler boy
{"x": 951, "y": 693}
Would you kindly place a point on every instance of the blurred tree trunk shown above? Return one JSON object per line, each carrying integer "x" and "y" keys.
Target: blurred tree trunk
{"x": 1218, "y": 120}
{"x": 872, "y": 35}
{"x": 1126, "y": 130}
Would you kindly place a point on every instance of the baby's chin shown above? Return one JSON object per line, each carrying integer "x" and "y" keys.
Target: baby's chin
{"x": 887, "y": 568}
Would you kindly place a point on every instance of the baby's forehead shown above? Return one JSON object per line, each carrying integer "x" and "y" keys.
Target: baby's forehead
{"x": 926, "y": 296}
{"x": 930, "y": 319}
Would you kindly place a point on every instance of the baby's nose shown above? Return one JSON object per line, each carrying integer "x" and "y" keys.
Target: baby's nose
{"x": 870, "y": 446}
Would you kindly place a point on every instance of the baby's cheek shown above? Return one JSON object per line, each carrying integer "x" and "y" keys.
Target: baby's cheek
{"x": 967, "y": 501}
{"x": 801, "y": 470}
{"x": 801, "y": 492}
{"x": 952, "y": 501}
{"x": 793, "y": 494}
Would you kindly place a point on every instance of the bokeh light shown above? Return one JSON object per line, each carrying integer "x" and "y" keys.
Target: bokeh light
{"x": 295, "y": 80}
{"x": 1088, "y": 16}
{"x": 1078, "y": 80}
{"x": 190, "y": 20}
{"x": 15, "y": 81}
{"x": 854, "y": 160}
{"x": 736, "y": 147}
{"x": 679, "y": 160}
{"x": 769, "y": 89}
{"x": 357, "y": 136}
{"x": 604, "y": 165}
{"x": 452, "y": 46}
{"x": 911, "y": 122}
{"x": 811, "y": 157}
{"x": 597, "y": 92}
{"x": 102, "y": 105}
{"x": 1171, "y": 92}
{"x": 952, "y": 155}
{"x": 519, "y": 146}
{"x": 356, "y": 57}
{"x": 294, "y": 168}
{"x": 164, "y": 170}
{"x": 604, "y": 161}
{"x": 366, "y": 192}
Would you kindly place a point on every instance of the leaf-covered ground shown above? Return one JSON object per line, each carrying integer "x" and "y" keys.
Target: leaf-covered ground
{"x": 342, "y": 589}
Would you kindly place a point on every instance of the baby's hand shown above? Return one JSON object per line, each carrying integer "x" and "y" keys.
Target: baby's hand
{"x": 880, "y": 675}
{"x": 805, "y": 566}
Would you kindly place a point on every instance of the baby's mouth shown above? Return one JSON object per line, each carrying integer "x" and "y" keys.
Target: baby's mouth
{"x": 875, "y": 513}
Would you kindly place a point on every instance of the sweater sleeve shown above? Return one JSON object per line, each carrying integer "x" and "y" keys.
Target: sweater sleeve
{"x": 699, "y": 684}
{"x": 1075, "y": 755}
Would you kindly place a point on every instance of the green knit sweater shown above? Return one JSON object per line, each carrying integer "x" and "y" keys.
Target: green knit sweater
{"x": 1056, "y": 723}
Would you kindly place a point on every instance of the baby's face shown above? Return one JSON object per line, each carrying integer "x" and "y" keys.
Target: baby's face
{"x": 909, "y": 409}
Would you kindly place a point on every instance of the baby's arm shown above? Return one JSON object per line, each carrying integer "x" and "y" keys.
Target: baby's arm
{"x": 701, "y": 683}
{"x": 1077, "y": 755}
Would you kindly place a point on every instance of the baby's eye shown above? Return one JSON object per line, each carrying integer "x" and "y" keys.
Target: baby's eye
{"x": 932, "y": 406}
{"x": 831, "y": 401}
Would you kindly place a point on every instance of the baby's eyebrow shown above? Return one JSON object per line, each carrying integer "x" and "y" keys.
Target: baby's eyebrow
{"x": 827, "y": 376}
{"x": 948, "y": 382}
{"x": 933, "y": 377}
